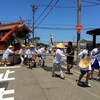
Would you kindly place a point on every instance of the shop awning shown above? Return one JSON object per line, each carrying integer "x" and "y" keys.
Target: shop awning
{"x": 10, "y": 32}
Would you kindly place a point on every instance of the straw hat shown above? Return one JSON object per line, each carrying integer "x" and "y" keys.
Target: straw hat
{"x": 60, "y": 45}
{"x": 10, "y": 46}
{"x": 23, "y": 45}
{"x": 27, "y": 47}
{"x": 84, "y": 63}
{"x": 32, "y": 46}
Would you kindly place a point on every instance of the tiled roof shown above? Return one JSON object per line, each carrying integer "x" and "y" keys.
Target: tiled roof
{"x": 11, "y": 25}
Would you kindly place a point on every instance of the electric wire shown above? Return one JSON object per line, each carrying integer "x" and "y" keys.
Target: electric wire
{"x": 91, "y": 2}
{"x": 47, "y": 13}
{"x": 61, "y": 28}
{"x": 43, "y": 11}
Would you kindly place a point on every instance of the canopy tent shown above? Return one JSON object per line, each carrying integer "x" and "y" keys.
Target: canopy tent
{"x": 94, "y": 33}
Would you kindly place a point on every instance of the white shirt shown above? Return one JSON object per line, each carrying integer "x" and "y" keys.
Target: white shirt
{"x": 7, "y": 53}
{"x": 39, "y": 51}
{"x": 31, "y": 52}
{"x": 93, "y": 52}
{"x": 85, "y": 53}
{"x": 58, "y": 56}
{"x": 22, "y": 52}
{"x": 43, "y": 53}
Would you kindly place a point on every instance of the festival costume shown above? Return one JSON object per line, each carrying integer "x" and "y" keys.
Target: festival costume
{"x": 6, "y": 54}
{"x": 85, "y": 65}
{"x": 43, "y": 56}
{"x": 85, "y": 54}
{"x": 39, "y": 57}
{"x": 95, "y": 61}
{"x": 57, "y": 60}
{"x": 31, "y": 55}
{"x": 22, "y": 53}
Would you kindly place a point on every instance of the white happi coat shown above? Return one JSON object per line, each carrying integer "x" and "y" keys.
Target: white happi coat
{"x": 93, "y": 52}
{"x": 7, "y": 53}
{"x": 59, "y": 54}
{"x": 85, "y": 53}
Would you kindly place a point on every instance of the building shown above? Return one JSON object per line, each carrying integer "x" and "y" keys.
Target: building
{"x": 37, "y": 42}
{"x": 83, "y": 43}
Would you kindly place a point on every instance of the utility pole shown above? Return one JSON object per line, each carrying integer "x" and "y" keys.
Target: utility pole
{"x": 78, "y": 24}
{"x": 28, "y": 22}
{"x": 33, "y": 11}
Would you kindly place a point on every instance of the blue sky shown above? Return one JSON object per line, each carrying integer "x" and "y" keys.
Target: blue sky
{"x": 63, "y": 15}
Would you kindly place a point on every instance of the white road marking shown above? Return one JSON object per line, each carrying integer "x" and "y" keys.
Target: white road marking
{"x": 2, "y": 67}
{"x": 2, "y": 90}
{"x": 6, "y": 80}
{"x": 6, "y": 76}
{"x": 10, "y": 98}
{"x": 8, "y": 92}
{"x": 1, "y": 75}
{"x": 7, "y": 73}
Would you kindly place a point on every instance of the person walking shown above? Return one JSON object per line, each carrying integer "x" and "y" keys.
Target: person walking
{"x": 22, "y": 53}
{"x": 39, "y": 56}
{"x": 85, "y": 65}
{"x": 95, "y": 53}
{"x": 43, "y": 55}
{"x": 57, "y": 60}
{"x": 70, "y": 56}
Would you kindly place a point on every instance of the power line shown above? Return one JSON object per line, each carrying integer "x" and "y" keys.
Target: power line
{"x": 61, "y": 28}
{"x": 91, "y": 2}
{"x": 39, "y": 2}
{"x": 70, "y": 6}
{"x": 43, "y": 11}
{"x": 47, "y": 13}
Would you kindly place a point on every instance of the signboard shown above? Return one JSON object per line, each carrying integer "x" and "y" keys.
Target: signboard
{"x": 78, "y": 27}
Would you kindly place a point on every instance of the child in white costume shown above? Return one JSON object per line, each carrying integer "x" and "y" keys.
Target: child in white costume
{"x": 43, "y": 54}
{"x": 22, "y": 53}
{"x": 31, "y": 52}
{"x": 39, "y": 56}
{"x": 86, "y": 53}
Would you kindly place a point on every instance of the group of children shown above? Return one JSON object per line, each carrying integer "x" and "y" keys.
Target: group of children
{"x": 89, "y": 59}
{"x": 27, "y": 54}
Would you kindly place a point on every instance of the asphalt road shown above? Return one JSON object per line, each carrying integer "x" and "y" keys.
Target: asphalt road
{"x": 21, "y": 83}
